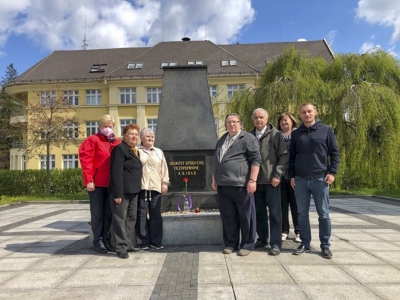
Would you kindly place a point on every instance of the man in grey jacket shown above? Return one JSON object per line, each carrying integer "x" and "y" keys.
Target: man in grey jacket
{"x": 274, "y": 162}
{"x": 236, "y": 164}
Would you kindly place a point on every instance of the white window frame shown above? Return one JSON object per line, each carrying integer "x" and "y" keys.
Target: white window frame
{"x": 127, "y": 95}
{"x": 124, "y": 122}
{"x": 152, "y": 124}
{"x": 70, "y": 161}
{"x": 47, "y": 98}
{"x": 93, "y": 97}
{"x": 92, "y": 127}
{"x": 213, "y": 92}
{"x": 52, "y": 161}
{"x": 232, "y": 88}
{"x": 153, "y": 95}
{"x": 71, "y": 130}
{"x": 71, "y": 97}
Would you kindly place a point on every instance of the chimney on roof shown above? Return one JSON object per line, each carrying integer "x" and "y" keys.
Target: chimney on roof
{"x": 186, "y": 39}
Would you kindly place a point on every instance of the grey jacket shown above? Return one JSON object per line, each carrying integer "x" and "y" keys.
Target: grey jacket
{"x": 274, "y": 155}
{"x": 234, "y": 168}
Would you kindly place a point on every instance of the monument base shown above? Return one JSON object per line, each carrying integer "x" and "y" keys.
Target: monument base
{"x": 192, "y": 229}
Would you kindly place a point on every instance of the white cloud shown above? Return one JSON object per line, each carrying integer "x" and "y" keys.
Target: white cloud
{"x": 367, "y": 46}
{"x": 330, "y": 37}
{"x": 382, "y": 12}
{"x": 59, "y": 24}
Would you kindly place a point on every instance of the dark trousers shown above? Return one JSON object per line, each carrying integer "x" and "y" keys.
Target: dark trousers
{"x": 149, "y": 229}
{"x": 100, "y": 214}
{"x": 124, "y": 221}
{"x": 237, "y": 211}
{"x": 267, "y": 196}
{"x": 288, "y": 199}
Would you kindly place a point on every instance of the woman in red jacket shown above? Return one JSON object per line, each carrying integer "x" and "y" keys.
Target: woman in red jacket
{"x": 94, "y": 155}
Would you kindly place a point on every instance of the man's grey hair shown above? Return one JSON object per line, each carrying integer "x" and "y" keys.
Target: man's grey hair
{"x": 262, "y": 109}
{"x": 144, "y": 131}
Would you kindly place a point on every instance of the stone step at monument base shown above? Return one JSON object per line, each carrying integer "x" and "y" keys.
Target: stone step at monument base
{"x": 192, "y": 229}
{"x": 202, "y": 200}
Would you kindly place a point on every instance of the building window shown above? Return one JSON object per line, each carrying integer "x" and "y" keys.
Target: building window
{"x": 153, "y": 95}
{"x": 24, "y": 163}
{"x": 127, "y": 95}
{"x": 199, "y": 63}
{"x": 233, "y": 88}
{"x": 213, "y": 92}
{"x": 71, "y": 130}
{"x": 70, "y": 161}
{"x": 191, "y": 63}
{"x": 52, "y": 162}
{"x": 124, "y": 122}
{"x": 227, "y": 63}
{"x": 92, "y": 127}
{"x": 139, "y": 66}
{"x": 47, "y": 98}
{"x": 71, "y": 97}
{"x": 93, "y": 97}
{"x": 132, "y": 66}
{"x": 98, "y": 68}
{"x": 152, "y": 124}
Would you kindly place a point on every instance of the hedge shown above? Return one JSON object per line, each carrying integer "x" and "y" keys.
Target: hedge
{"x": 33, "y": 182}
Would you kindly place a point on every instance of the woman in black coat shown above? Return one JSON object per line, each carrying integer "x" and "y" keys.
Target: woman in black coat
{"x": 125, "y": 185}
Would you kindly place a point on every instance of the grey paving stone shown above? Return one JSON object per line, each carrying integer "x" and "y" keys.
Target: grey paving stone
{"x": 17, "y": 264}
{"x": 213, "y": 274}
{"x": 142, "y": 275}
{"x": 81, "y": 293}
{"x": 25, "y": 294}
{"x": 258, "y": 274}
{"x": 95, "y": 277}
{"x": 60, "y": 262}
{"x": 373, "y": 246}
{"x": 36, "y": 279}
{"x": 386, "y": 291}
{"x": 373, "y": 273}
{"x": 215, "y": 291}
{"x": 284, "y": 291}
{"x": 132, "y": 292}
{"x": 356, "y": 258}
{"x": 338, "y": 291}
{"x": 318, "y": 274}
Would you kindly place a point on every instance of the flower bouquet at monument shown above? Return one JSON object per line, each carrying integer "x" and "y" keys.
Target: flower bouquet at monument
{"x": 185, "y": 198}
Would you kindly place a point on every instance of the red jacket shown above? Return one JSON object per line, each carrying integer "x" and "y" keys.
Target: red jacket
{"x": 94, "y": 155}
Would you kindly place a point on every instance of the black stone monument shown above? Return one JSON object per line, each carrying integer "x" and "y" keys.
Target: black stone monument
{"x": 186, "y": 132}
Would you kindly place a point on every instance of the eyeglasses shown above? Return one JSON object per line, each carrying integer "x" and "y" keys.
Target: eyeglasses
{"x": 232, "y": 122}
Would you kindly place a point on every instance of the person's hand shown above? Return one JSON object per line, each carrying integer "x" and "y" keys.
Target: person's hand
{"x": 117, "y": 200}
{"x": 292, "y": 182}
{"x": 251, "y": 186}
{"x": 164, "y": 189}
{"x": 329, "y": 178}
{"x": 90, "y": 187}
{"x": 275, "y": 182}
{"x": 214, "y": 185}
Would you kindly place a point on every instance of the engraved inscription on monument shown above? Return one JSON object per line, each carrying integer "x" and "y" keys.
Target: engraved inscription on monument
{"x": 192, "y": 167}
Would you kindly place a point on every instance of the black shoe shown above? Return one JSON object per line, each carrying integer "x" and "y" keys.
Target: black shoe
{"x": 100, "y": 248}
{"x": 134, "y": 249}
{"x": 260, "y": 244}
{"x": 301, "y": 249}
{"x": 109, "y": 247}
{"x": 326, "y": 253}
{"x": 274, "y": 250}
{"x": 160, "y": 247}
{"x": 144, "y": 247}
{"x": 123, "y": 255}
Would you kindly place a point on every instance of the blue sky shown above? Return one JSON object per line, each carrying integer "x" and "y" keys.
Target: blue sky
{"x": 31, "y": 30}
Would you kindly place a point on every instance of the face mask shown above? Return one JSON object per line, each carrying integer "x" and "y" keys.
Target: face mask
{"x": 107, "y": 131}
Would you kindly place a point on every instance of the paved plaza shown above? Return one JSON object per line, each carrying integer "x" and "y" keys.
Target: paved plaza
{"x": 45, "y": 253}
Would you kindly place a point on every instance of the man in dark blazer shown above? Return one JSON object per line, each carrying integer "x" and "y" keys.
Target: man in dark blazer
{"x": 125, "y": 185}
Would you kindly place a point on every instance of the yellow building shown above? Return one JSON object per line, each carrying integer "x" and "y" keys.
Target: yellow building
{"x": 126, "y": 83}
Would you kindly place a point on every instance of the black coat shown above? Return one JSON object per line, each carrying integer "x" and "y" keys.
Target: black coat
{"x": 126, "y": 171}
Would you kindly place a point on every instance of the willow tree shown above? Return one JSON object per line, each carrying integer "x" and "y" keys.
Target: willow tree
{"x": 358, "y": 95}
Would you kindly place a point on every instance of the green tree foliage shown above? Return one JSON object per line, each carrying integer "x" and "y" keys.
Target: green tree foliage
{"x": 8, "y": 108}
{"x": 358, "y": 95}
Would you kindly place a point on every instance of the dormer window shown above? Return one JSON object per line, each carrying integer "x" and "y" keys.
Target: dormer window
{"x": 227, "y": 63}
{"x": 98, "y": 68}
{"x": 191, "y": 63}
{"x": 199, "y": 63}
{"x": 168, "y": 64}
{"x": 132, "y": 66}
{"x": 224, "y": 63}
